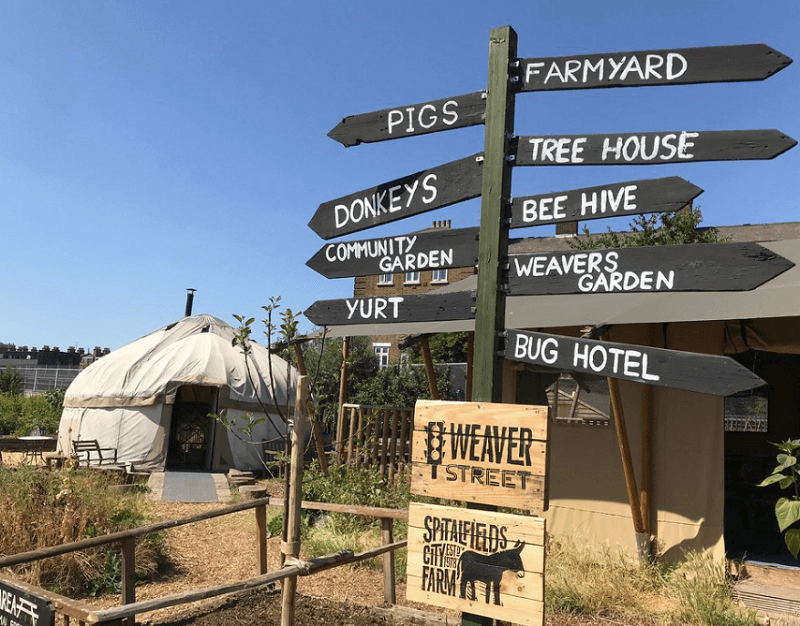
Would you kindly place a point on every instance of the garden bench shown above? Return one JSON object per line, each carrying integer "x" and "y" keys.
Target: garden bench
{"x": 90, "y": 446}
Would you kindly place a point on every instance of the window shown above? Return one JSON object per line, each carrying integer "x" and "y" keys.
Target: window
{"x": 386, "y": 279}
{"x": 382, "y": 352}
{"x": 439, "y": 276}
{"x": 587, "y": 403}
{"x": 412, "y": 278}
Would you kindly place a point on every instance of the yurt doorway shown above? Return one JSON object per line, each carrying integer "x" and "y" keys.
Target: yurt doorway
{"x": 191, "y": 434}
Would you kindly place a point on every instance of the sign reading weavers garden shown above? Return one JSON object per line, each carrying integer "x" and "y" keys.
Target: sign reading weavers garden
{"x": 481, "y": 452}
{"x": 480, "y": 562}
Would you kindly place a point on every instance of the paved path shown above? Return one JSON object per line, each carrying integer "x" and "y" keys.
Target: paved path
{"x": 189, "y": 487}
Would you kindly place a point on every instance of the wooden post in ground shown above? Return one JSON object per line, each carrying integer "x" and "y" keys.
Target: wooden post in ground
{"x": 316, "y": 431}
{"x": 261, "y": 538}
{"x": 291, "y": 547}
{"x": 129, "y": 573}
{"x": 388, "y": 562}
{"x": 342, "y": 398}
{"x": 429, "y": 370}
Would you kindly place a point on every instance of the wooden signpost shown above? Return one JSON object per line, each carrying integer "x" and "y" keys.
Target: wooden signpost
{"x": 413, "y": 119}
{"x": 715, "y": 64}
{"x": 416, "y": 193}
{"x": 480, "y": 562}
{"x": 651, "y": 148}
{"x": 703, "y": 373}
{"x": 398, "y": 254}
{"x": 591, "y": 203}
{"x": 20, "y": 608}
{"x": 481, "y": 452}
{"x": 456, "y": 305}
{"x": 688, "y": 267}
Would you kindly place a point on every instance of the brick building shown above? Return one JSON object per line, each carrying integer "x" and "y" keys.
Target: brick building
{"x": 386, "y": 346}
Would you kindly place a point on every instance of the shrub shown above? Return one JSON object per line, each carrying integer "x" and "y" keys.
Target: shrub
{"x": 44, "y": 509}
{"x": 19, "y": 415}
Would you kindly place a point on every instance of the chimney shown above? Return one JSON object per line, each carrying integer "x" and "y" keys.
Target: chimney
{"x": 189, "y": 301}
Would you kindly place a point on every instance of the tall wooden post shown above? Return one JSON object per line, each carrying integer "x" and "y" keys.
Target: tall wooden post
{"x": 430, "y": 371}
{"x": 342, "y": 398}
{"x": 495, "y": 199}
{"x": 291, "y": 547}
{"x": 487, "y": 369}
{"x": 316, "y": 431}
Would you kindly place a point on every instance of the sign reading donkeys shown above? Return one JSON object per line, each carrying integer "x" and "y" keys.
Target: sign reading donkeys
{"x": 481, "y": 562}
{"x": 483, "y": 452}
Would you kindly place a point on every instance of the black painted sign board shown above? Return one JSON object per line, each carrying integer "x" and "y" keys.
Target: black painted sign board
{"x": 416, "y": 193}
{"x": 651, "y": 148}
{"x": 713, "y": 64}
{"x": 715, "y": 375}
{"x": 629, "y": 198}
{"x": 413, "y": 119}
{"x": 18, "y": 607}
{"x": 429, "y": 307}
{"x": 397, "y": 254}
{"x": 687, "y": 267}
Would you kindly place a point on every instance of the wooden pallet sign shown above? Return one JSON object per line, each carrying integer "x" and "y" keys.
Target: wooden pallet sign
{"x": 702, "y": 373}
{"x": 481, "y": 452}
{"x": 413, "y": 119}
{"x": 651, "y": 148}
{"x": 591, "y": 203}
{"x": 20, "y": 608}
{"x": 688, "y": 267}
{"x": 398, "y": 254}
{"x": 713, "y": 64}
{"x": 416, "y": 193}
{"x": 438, "y": 307}
{"x": 480, "y": 562}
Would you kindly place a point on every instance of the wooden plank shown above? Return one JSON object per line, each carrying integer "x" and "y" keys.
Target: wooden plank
{"x": 712, "y": 64}
{"x": 416, "y": 193}
{"x": 454, "y": 553}
{"x": 412, "y": 119}
{"x": 688, "y": 267}
{"x": 483, "y": 453}
{"x": 651, "y": 148}
{"x": 398, "y": 254}
{"x": 703, "y": 373}
{"x": 430, "y": 307}
{"x": 389, "y": 591}
{"x": 591, "y": 203}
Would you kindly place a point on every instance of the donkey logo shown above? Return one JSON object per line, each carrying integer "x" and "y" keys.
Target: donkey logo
{"x": 488, "y": 569}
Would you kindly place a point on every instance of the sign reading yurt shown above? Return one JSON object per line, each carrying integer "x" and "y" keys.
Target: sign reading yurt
{"x": 480, "y": 562}
{"x": 481, "y": 452}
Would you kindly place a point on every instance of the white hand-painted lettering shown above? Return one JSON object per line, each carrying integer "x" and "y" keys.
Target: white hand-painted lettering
{"x": 606, "y": 201}
{"x": 411, "y": 119}
{"x": 545, "y": 210}
{"x": 536, "y": 348}
{"x": 630, "y": 363}
{"x": 557, "y": 149}
{"x": 618, "y": 69}
{"x": 635, "y": 147}
{"x": 374, "y": 308}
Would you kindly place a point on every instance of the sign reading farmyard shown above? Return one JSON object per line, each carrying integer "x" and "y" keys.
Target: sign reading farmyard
{"x": 20, "y": 608}
{"x": 481, "y": 562}
{"x": 481, "y": 452}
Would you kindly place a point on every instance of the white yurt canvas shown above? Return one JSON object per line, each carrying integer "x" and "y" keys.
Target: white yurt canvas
{"x": 151, "y": 400}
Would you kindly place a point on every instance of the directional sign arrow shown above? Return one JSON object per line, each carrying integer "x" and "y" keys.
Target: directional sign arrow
{"x": 417, "y": 193}
{"x": 439, "y": 307}
{"x": 413, "y": 119}
{"x": 590, "y": 203}
{"x": 402, "y": 253}
{"x": 716, "y": 375}
{"x": 651, "y": 148}
{"x": 652, "y": 67}
{"x": 688, "y": 267}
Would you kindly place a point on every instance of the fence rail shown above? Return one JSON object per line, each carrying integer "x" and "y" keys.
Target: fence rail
{"x": 85, "y": 613}
{"x": 367, "y": 436}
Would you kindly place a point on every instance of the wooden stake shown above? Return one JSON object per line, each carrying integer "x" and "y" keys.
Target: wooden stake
{"x": 470, "y": 354}
{"x": 342, "y": 398}
{"x": 426, "y": 358}
{"x": 316, "y": 431}
{"x": 291, "y": 548}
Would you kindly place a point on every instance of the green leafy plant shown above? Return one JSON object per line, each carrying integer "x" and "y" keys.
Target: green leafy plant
{"x": 787, "y": 509}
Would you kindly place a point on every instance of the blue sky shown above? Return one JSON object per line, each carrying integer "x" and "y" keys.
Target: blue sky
{"x": 150, "y": 146}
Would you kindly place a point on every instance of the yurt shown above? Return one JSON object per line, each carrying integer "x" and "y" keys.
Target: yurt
{"x": 153, "y": 400}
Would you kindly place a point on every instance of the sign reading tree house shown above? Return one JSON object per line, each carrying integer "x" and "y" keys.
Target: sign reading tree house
{"x": 479, "y": 562}
{"x": 481, "y": 452}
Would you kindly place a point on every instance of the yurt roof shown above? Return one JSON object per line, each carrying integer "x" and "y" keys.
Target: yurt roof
{"x": 195, "y": 350}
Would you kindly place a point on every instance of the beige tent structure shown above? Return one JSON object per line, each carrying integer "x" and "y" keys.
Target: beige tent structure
{"x": 695, "y": 481}
{"x": 151, "y": 399}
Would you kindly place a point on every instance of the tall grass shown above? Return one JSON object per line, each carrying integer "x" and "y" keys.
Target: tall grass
{"x": 43, "y": 508}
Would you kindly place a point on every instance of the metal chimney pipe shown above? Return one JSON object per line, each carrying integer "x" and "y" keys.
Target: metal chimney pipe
{"x": 189, "y": 301}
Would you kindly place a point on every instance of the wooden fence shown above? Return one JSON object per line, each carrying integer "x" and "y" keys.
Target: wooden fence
{"x": 84, "y": 613}
{"x": 367, "y": 436}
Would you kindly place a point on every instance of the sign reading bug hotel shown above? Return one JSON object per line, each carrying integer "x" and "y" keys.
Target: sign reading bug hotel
{"x": 481, "y": 452}
{"x": 481, "y": 562}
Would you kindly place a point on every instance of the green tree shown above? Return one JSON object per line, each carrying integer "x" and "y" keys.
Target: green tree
{"x": 445, "y": 348}
{"x": 664, "y": 229}
{"x": 11, "y": 382}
